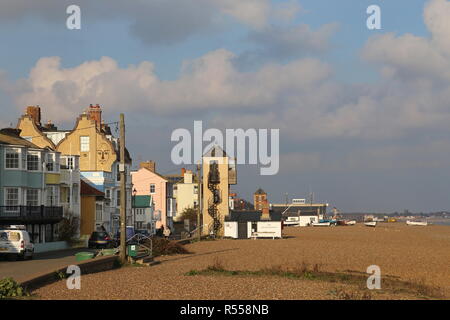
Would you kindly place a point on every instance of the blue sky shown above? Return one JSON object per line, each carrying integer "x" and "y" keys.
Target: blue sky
{"x": 353, "y": 106}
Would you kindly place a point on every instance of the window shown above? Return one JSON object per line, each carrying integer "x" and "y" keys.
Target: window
{"x": 108, "y": 194}
{"x": 98, "y": 211}
{"x": 75, "y": 193}
{"x": 33, "y": 161}
{"x": 11, "y": 198}
{"x": 195, "y": 189}
{"x": 52, "y": 195}
{"x": 118, "y": 198}
{"x": 68, "y": 163}
{"x": 12, "y": 158}
{"x": 84, "y": 144}
{"x": 152, "y": 188}
{"x": 33, "y": 197}
{"x": 51, "y": 162}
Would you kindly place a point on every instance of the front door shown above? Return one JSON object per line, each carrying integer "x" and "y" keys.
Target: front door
{"x": 242, "y": 230}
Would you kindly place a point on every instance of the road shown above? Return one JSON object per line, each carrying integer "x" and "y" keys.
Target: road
{"x": 42, "y": 262}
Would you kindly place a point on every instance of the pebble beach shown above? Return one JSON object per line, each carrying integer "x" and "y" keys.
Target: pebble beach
{"x": 415, "y": 254}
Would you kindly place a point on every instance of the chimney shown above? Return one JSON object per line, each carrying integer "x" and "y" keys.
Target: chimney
{"x": 50, "y": 126}
{"x": 95, "y": 113}
{"x": 265, "y": 211}
{"x": 35, "y": 113}
{"x": 149, "y": 165}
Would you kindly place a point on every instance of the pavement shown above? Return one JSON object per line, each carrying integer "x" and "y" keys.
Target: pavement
{"x": 41, "y": 262}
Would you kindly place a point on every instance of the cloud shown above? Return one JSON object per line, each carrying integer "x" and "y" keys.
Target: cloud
{"x": 210, "y": 82}
{"x": 293, "y": 41}
{"x": 300, "y": 97}
{"x": 159, "y": 22}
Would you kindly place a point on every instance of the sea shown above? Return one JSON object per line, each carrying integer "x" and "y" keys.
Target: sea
{"x": 441, "y": 222}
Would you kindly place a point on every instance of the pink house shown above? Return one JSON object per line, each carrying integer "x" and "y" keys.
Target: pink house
{"x": 147, "y": 182}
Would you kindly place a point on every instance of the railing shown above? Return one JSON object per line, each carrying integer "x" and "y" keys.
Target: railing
{"x": 29, "y": 213}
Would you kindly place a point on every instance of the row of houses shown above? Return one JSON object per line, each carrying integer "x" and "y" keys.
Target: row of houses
{"x": 49, "y": 174}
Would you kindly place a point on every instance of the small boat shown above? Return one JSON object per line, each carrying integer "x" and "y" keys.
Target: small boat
{"x": 346, "y": 222}
{"x": 321, "y": 224}
{"x": 292, "y": 221}
{"x": 416, "y": 223}
{"x": 370, "y": 223}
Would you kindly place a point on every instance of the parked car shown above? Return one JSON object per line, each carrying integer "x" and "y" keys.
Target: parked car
{"x": 100, "y": 239}
{"x": 15, "y": 242}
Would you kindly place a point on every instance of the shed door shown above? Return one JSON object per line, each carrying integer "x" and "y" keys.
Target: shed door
{"x": 242, "y": 230}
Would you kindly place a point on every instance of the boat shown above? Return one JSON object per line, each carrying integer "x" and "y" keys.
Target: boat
{"x": 292, "y": 221}
{"x": 416, "y": 223}
{"x": 346, "y": 222}
{"x": 321, "y": 224}
{"x": 370, "y": 223}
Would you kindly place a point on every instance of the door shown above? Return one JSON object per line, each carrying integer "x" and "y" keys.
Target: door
{"x": 242, "y": 230}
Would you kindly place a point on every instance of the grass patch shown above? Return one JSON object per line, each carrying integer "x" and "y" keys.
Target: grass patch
{"x": 10, "y": 289}
{"x": 313, "y": 272}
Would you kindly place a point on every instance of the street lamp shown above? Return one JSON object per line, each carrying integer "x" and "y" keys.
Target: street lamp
{"x": 133, "y": 206}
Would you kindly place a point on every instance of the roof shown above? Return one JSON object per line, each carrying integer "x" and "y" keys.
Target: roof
{"x": 142, "y": 201}
{"x": 260, "y": 191}
{"x": 174, "y": 178}
{"x": 294, "y": 211}
{"x": 215, "y": 151}
{"x": 11, "y": 137}
{"x": 244, "y": 216}
{"x": 156, "y": 173}
{"x": 88, "y": 190}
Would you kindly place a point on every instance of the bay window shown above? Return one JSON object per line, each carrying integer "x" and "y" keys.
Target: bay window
{"x": 33, "y": 163}
{"x": 12, "y": 199}
{"x": 32, "y": 198}
{"x": 12, "y": 158}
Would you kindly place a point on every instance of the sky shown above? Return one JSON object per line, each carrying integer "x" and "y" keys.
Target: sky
{"x": 363, "y": 114}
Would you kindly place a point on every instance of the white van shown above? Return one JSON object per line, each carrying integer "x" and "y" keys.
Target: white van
{"x": 15, "y": 242}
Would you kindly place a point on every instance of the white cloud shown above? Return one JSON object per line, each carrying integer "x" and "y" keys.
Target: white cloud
{"x": 207, "y": 83}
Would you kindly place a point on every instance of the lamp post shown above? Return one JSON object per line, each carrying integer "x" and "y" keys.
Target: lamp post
{"x": 133, "y": 207}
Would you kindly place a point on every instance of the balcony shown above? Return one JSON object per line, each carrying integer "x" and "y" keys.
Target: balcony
{"x": 30, "y": 214}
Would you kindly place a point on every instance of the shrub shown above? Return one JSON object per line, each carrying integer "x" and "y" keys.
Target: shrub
{"x": 162, "y": 246}
{"x": 10, "y": 289}
{"x": 68, "y": 229}
{"x": 190, "y": 214}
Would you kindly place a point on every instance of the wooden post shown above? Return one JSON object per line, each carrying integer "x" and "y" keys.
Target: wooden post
{"x": 199, "y": 183}
{"x": 123, "y": 208}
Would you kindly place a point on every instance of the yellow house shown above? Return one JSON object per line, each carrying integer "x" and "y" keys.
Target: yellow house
{"x": 186, "y": 193}
{"x": 32, "y": 130}
{"x": 91, "y": 207}
{"x": 85, "y": 138}
{"x": 219, "y": 172}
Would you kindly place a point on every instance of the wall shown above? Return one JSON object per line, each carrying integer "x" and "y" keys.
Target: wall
{"x": 101, "y": 155}
{"x": 223, "y": 207}
{"x": 29, "y": 129}
{"x": 50, "y": 246}
{"x": 87, "y": 221}
{"x": 141, "y": 182}
{"x": 185, "y": 198}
